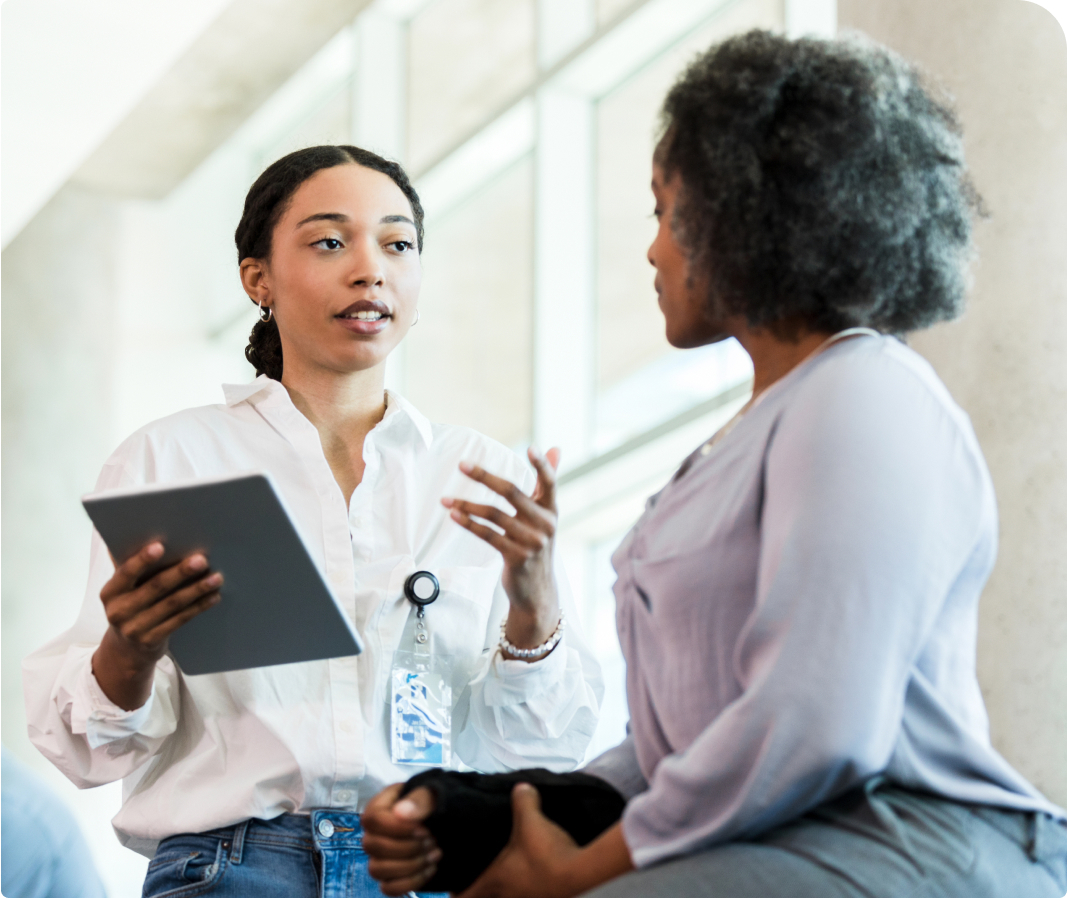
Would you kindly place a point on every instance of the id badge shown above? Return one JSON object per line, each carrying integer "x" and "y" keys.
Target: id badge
{"x": 421, "y": 691}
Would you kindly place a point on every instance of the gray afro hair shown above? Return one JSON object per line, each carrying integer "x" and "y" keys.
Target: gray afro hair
{"x": 823, "y": 185}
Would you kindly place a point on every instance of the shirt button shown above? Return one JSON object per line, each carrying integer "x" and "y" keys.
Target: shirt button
{"x": 357, "y": 522}
{"x": 344, "y": 796}
{"x": 325, "y": 828}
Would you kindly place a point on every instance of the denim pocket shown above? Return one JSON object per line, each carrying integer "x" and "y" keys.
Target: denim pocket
{"x": 185, "y": 865}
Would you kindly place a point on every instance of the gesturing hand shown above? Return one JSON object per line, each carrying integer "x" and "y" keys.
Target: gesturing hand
{"x": 142, "y": 617}
{"x": 525, "y": 540}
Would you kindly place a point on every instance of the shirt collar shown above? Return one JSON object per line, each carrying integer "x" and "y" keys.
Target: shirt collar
{"x": 395, "y": 403}
{"x": 398, "y": 405}
{"x": 238, "y": 393}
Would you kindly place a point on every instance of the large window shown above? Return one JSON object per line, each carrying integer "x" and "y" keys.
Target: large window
{"x": 528, "y": 127}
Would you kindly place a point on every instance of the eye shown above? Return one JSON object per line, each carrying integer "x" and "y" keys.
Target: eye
{"x": 330, "y": 243}
{"x": 656, "y": 213}
{"x": 402, "y": 246}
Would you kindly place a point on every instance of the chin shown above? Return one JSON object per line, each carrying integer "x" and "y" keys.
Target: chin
{"x": 691, "y": 338}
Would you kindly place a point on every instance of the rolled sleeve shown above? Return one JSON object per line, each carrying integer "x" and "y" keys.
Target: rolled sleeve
{"x": 533, "y": 714}
{"x": 93, "y": 714}
{"x": 89, "y": 713}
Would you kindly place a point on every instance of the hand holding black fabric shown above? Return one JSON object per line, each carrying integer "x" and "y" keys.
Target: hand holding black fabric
{"x": 471, "y": 821}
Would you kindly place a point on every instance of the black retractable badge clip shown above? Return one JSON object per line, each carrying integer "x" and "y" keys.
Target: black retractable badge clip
{"x": 421, "y": 681}
{"x": 421, "y": 589}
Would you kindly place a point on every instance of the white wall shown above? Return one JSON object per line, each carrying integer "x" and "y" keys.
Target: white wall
{"x": 71, "y": 71}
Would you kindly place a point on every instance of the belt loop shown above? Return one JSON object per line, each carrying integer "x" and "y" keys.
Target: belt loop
{"x": 238, "y": 847}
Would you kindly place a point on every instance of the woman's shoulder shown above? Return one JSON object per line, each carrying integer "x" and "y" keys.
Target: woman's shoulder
{"x": 881, "y": 379}
{"x": 171, "y": 446}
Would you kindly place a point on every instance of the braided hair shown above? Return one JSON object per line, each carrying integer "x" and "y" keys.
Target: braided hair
{"x": 265, "y": 204}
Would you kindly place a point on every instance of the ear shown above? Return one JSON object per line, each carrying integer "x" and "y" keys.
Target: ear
{"x": 254, "y": 279}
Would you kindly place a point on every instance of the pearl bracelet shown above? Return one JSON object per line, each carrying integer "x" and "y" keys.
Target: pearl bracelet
{"x": 538, "y": 651}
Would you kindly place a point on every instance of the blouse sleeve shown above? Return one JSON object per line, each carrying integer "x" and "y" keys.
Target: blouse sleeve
{"x": 539, "y": 714}
{"x": 873, "y": 503}
{"x": 71, "y": 721}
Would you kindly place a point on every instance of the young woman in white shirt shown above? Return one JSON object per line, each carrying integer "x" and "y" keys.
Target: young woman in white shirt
{"x": 249, "y": 782}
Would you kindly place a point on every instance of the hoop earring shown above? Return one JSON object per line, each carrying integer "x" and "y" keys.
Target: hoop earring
{"x": 268, "y": 316}
{"x": 418, "y": 315}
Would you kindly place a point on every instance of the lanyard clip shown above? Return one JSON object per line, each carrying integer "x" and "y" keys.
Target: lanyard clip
{"x": 421, "y": 589}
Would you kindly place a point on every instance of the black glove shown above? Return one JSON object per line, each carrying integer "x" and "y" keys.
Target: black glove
{"x": 471, "y": 820}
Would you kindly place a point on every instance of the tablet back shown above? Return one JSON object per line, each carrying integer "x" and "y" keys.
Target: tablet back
{"x": 276, "y": 607}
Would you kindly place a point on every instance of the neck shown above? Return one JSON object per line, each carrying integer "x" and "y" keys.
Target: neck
{"x": 338, "y": 403}
{"x": 773, "y": 357}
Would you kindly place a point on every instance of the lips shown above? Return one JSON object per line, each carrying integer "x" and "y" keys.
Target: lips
{"x": 365, "y": 316}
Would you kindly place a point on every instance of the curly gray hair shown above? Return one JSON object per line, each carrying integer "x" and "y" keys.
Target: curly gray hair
{"x": 823, "y": 185}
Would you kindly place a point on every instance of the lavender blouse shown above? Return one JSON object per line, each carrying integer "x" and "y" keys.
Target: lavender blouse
{"x": 798, "y": 610}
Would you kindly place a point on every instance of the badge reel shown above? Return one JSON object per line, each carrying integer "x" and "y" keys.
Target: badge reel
{"x": 421, "y": 688}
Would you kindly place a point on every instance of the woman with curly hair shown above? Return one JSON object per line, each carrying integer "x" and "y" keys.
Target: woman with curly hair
{"x": 798, "y": 606}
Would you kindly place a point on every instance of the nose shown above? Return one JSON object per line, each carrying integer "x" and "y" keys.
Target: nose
{"x": 367, "y": 268}
{"x": 651, "y": 254}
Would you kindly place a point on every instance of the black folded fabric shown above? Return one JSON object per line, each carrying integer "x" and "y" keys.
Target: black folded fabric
{"x": 471, "y": 821}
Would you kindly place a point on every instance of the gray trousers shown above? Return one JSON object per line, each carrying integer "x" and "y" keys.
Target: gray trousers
{"x": 878, "y": 841}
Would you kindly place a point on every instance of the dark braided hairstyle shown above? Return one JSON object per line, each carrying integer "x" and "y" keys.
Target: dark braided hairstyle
{"x": 265, "y": 204}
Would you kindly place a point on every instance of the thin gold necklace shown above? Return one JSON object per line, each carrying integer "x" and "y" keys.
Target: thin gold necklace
{"x": 722, "y": 432}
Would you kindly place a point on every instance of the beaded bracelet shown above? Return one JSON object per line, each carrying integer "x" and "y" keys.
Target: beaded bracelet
{"x": 538, "y": 651}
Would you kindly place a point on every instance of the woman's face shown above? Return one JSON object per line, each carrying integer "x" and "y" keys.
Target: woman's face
{"x": 344, "y": 271}
{"x": 683, "y": 297}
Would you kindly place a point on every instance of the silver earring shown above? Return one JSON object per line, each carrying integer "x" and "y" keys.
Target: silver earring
{"x": 268, "y": 316}
{"x": 418, "y": 315}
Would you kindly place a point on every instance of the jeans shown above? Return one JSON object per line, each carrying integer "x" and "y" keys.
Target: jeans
{"x": 292, "y": 856}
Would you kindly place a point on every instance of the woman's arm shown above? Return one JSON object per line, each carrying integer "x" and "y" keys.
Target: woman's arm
{"x": 71, "y": 719}
{"x": 542, "y": 861}
{"x": 520, "y": 713}
{"x": 873, "y": 505}
{"x": 102, "y": 697}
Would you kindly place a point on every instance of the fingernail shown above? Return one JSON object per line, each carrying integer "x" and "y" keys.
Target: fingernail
{"x": 434, "y": 856}
{"x": 537, "y": 453}
{"x": 447, "y": 503}
{"x": 457, "y": 515}
{"x": 154, "y": 550}
{"x": 466, "y": 467}
{"x": 213, "y": 580}
{"x": 196, "y": 563}
{"x": 404, "y": 809}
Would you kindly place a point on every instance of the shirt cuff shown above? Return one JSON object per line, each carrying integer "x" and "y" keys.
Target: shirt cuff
{"x": 512, "y": 682}
{"x": 99, "y": 718}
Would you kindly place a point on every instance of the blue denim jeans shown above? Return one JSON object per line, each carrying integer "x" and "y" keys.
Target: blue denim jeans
{"x": 292, "y": 856}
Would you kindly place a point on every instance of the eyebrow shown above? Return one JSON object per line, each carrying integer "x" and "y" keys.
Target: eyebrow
{"x": 338, "y": 216}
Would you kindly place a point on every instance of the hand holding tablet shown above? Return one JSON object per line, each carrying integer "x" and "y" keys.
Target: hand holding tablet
{"x": 181, "y": 548}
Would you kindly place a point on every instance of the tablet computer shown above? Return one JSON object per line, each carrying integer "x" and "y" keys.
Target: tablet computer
{"x": 276, "y": 606}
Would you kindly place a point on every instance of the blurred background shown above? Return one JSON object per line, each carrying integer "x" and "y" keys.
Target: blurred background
{"x": 133, "y": 128}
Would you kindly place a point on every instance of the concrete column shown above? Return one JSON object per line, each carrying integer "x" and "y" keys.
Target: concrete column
{"x": 564, "y": 276}
{"x": 1005, "y": 361}
{"x": 564, "y": 362}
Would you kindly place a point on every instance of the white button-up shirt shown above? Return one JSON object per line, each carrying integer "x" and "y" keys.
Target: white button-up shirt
{"x": 211, "y": 750}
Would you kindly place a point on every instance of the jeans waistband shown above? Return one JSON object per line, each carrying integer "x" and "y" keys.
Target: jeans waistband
{"x": 322, "y": 830}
